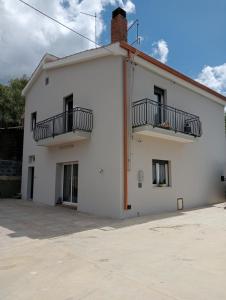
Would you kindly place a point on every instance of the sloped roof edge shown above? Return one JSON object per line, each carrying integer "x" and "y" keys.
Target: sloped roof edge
{"x": 50, "y": 62}
{"x": 170, "y": 70}
{"x": 46, "y": 58}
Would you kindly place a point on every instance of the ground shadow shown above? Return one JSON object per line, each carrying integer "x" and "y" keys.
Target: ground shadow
{"x": 26, "y": 219}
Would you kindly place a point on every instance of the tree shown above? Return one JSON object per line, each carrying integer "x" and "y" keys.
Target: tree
{"x": 11, "y": 101}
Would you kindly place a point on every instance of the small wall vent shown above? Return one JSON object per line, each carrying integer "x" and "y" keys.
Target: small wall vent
{"x": 46, "y": 80}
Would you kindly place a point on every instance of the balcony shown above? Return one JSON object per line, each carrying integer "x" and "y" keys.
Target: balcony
{"x": 65, "y": 128}
{"x": 162, "y": 121}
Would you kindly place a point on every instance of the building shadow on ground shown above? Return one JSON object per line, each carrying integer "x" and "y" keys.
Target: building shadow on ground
{"x": 25, "y": 219}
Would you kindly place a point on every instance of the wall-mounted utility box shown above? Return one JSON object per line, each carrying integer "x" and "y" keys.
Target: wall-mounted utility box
{"x": 140, "y": 178}
{"x": 180, "y": 203}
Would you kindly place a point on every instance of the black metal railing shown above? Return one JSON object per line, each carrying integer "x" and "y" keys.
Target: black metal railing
{"x": 149, "y": 112}
{"x": 76, "y": 119}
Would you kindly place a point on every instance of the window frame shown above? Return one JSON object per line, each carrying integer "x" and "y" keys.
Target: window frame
{"x": 156, "y": 163}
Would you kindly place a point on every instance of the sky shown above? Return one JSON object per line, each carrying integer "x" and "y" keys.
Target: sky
{"x": 187, "y": 35}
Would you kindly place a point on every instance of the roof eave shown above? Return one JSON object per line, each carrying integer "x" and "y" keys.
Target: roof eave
{"x": 201, "y": 87}
{"x": 80, "y": 57}
{"x": 52, "y": 62}
{"x": 46, "y": 58}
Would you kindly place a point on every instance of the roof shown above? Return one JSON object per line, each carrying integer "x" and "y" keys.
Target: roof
{"x": 46, "y": 58}
{"x": 52, "y": 62}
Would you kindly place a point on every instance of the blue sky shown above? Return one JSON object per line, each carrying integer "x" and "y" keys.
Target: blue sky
{"x": 194, "y": 30}
{"x": 187, "y": 35}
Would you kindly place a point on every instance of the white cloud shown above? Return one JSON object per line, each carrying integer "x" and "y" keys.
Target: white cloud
{"x": 141, "y": 38}
{"x": 214, "y": 77}
{"x": 25, "y": 36}
{"x": 130, "y": 23}
{"x": 129, "y": 6}
{"x": 160, "y": 50}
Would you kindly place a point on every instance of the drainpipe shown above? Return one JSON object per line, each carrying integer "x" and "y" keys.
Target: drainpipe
{"x": 125, "y": 130}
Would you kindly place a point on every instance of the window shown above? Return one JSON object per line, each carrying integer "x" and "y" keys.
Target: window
{"x": 33, "y": 120}
{"x": 160, "y": 172}
{"x": 31, "y": 159}
{"x": 46, "y": 80}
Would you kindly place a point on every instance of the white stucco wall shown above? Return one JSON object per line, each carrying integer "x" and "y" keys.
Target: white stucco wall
{"x": 95, "y": 85}
{"x": 195, "y": 167}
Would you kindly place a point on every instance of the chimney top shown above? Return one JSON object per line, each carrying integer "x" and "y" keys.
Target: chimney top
{"x": 118, "y": 25}
{"x": 118, "y": 11}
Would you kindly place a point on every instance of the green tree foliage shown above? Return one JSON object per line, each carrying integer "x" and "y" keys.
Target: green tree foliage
{"x": 11, "y": 101}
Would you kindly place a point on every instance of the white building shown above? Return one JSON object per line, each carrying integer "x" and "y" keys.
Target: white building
{"x": 117, "y": 133}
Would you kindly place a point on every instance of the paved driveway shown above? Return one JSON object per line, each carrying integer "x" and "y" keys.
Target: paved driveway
{"x": 56, "y": 253}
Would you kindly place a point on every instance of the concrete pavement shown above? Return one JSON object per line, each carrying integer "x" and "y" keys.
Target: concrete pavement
{"x": 57, "y": 253}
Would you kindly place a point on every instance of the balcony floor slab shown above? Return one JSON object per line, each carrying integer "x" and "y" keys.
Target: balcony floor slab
{"x": 162, "y": 133}
{"x": 64, "y": 139}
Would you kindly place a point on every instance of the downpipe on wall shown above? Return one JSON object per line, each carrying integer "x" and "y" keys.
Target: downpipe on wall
{"x": 128, "y": 72}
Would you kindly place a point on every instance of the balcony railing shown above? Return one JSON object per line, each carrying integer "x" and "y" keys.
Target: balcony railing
{"x": 77, "y": 119}
{"x": 149, "y": 112}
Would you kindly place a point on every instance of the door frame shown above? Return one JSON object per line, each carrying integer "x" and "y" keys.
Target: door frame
{"x": 62, "y": 183}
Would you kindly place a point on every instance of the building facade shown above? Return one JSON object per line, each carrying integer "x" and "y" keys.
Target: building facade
{"x": 116, "y": 133}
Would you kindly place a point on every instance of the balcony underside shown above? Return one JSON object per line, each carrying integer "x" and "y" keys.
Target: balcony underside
{"x": 161, "y": 133}
{"x": 64, "y": 139}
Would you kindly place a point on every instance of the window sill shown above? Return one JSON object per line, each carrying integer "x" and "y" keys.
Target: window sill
{"x": 155, "y": 187}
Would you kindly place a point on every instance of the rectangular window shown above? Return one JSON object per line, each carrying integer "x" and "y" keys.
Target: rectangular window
{"x": 33, "y": 120}
{"x": 31, "y": 159}
{"x": 160, "y": 172}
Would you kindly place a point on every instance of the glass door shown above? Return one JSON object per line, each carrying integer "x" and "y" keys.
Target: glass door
{"x": 69, "y": 113}
{"x": 67, "y": 184}
{"x": 74, "y": 196}
{"x": 160, "y": 99}
{"x": 70, "y": 183}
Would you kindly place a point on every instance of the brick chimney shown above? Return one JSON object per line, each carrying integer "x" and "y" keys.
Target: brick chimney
{"x": 119, "y": 26}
